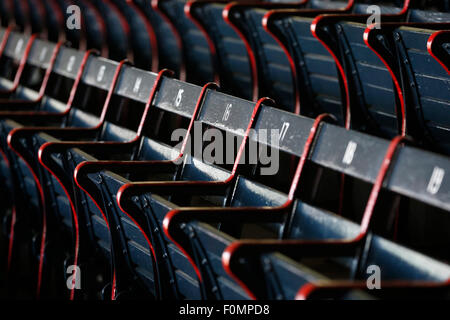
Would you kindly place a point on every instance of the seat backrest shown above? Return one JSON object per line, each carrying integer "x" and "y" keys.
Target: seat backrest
{"x": 275, "y": 74}
{"x": 373, "y": 94}
{"x": 94, "y": 26}
{"x": 426, "y": 84}
{"x": 232, "y": 61}
{"x": 196, "y": 53}
{"x": 169, "y": 51}
{"x": 37, "y": 16}
{"x": 374, "y": 101}
{"x": 117, "y": 33}
{"x": 139, "y": 35}
{"x": 6, "y": 12}
{"x": 55, "y": 20}
{"x": 21, "y": 14}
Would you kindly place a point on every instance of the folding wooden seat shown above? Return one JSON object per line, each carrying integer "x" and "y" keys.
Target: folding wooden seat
{"x": 38, "y": 17}
{"x": 139, "y": 263}
{"x": 142, "y": 37}
{"x": 423, "y": 80}
{"x": 100, "y": 124}
{"x": 22, "y": 100}
{"x": 93, "y": 26}
{"x": 41, "y": 110}
{"x": 178, "y": 280}
{"x": 21, "y": 12}
{"x": 196, "y": 65}
{"x": 256, "y": 264}
{"x": 364, "y": 248}
{"x": 32, "y": 54}
{"x": 236, "y": 46}
{"x": 6, "y": 13}
{"x": 55, "y": 21}
{"x": 136, "y": 147}
{"x": 369, "y": 98}
{"x": 117, "y": 30}
{"x": 271, "y": 68}
{"x": 229, "y": 54}
{"x": 362, "y": 101}
{"x": 168, "y": 46}
{"x": 319, "y": 83}
{"x": 236, "y": 43}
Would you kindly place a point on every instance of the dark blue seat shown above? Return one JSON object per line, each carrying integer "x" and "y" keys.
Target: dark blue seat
{"x": 54, "y": 20}
{"x": 177, "y": 278}
{"x": 119, "y": 197}
{"x": 371, "y": 97}
{"x": 141, "y": 36}
{"x": 196, "y": 62}
{"x": 273, "y": 68}
{"x": 6, "y": 13}
{"x": 21, "y": 11}
{"x": 425, "y": 83}
{"x": 37, "y": 16}
{"x": 321, "y": 84}
{"x": 26, "y": 183}
{"x": 230, "y": 57}
{"x": 117, "y": 30}
{"x": 168, "y": 46}
{"x": 271, "y": 275}
{"x": 135, "y": 147}
{"x": 94, "y": 27}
